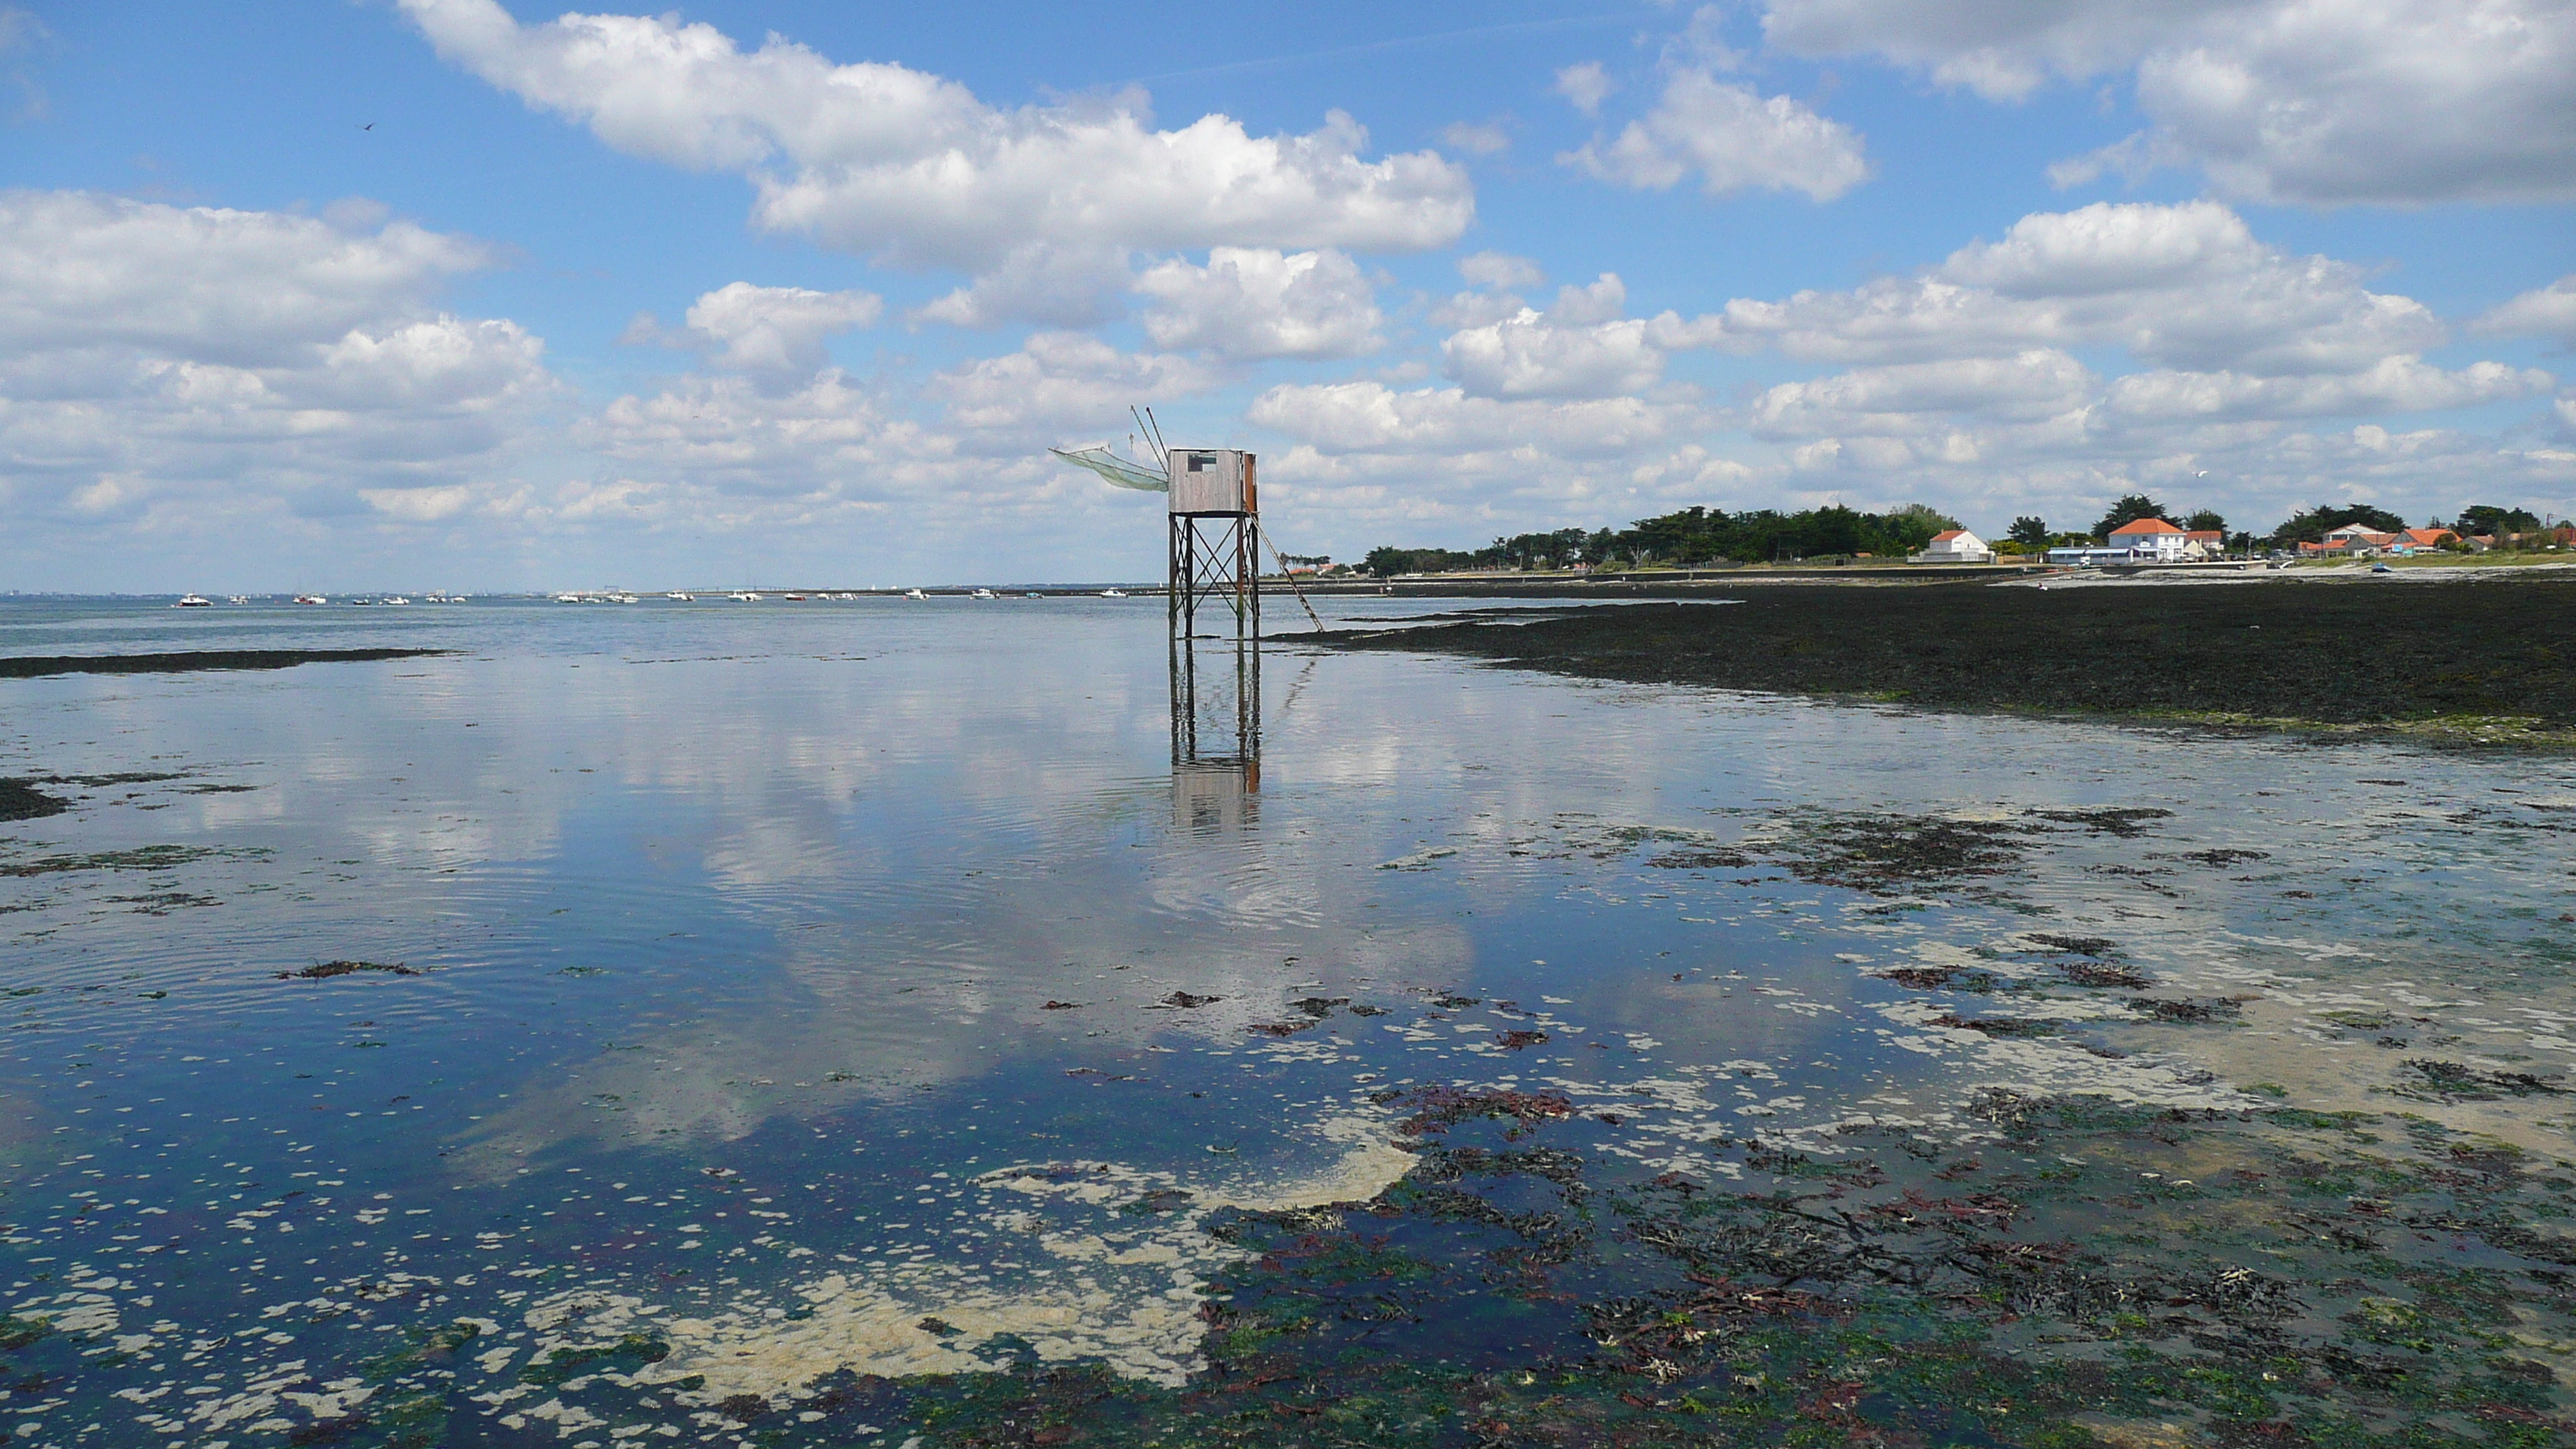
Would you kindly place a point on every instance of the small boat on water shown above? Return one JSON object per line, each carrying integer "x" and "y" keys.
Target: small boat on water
{"x": 913, "y": 594}
{"x": 393, "y": 599}
{"x": 567, "y": 598}
{"x": 361, "y": 603}
{"x": 1034, "y": 594}
{"x": 238, "y": 599}
{"x": 193, "y": 601}
{"x": 743, "y": 596}
{"x": 682, "y": 597}
{"x": 442, "y": 598}
{"x": 983, "y": 594}
{"x": 311, "y": 599}
{"x": 1113, "y": 593}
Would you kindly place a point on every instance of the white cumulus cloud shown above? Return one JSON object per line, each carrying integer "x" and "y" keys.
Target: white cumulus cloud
{"x": 1477, "y": 138}
{"x": 1060, "y": 383}
{"x": 2183, "y": 286}
{"x": 1257, "y": 302}
{"x": 1586, "y": 85}
{"x": 1579, "y": 348}
{"x": 89, "y": 271}
{"x": 1370, "y": 417}
{"x": 175, "y": 363}
{"x": 1491, "y": 276}
{"x": 1733, "y": 138}
{"x": 1054, "y": 284}
{"x": 1917, "y": 397}
{"x": 2391, "y": 385}
{"x": 725, "y": 438}
{"x": 1499, "y": 271}
{"x": 2315, "y": 101}
{"x": 916, "y": 170}
{"x": 775, "y": 333}
{"x": 2541, "y": 312}
{"x": 1436, "y": 463}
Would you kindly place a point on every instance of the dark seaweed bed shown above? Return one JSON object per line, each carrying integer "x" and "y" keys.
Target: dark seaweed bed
{"x": 2365, "y": 653}
{"x": 34, "y": 666}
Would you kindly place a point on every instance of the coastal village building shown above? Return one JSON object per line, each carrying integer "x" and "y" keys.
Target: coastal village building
{"x": 1956, "y": 545}
{"x": 2151, "y": 539}
{"x": 2148, "y": 540}
{"x": 2354, "y": 541}
{"x": 2087, "y": 555}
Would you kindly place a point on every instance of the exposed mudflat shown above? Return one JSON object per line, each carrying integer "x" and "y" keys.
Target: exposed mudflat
{"x": 2481, "y": 660}
{"x": 40, "y": 665}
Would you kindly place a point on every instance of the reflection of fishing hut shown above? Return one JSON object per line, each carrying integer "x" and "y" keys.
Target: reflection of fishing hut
{"x": 1215, "y": 798}
{"x": 1216, "y": 743}
{"x": 1216, "y": 707}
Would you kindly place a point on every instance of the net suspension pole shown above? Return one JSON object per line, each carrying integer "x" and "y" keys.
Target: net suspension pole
{"x": 1273, "y": 546}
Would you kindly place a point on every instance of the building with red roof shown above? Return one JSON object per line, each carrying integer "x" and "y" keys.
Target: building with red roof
{"x": 1955, "y": 545}
{"x": 2152, "y": 538}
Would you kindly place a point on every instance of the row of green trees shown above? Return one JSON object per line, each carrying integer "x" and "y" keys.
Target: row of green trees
{"x": 1710, "y": 535}
{"x": 1692, "y": 536}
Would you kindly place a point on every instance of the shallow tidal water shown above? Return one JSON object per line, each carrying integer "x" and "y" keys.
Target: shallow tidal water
{"x": 696, "y": 1022}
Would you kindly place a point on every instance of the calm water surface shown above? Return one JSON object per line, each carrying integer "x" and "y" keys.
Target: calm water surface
{"x": 895, "y": 986}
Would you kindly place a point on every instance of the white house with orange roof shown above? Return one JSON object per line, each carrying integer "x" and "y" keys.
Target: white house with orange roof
{"x": 1955, "y": 545}
{"x": 2152, "y": 540}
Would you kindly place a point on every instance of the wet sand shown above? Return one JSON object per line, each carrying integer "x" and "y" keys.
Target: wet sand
{"x": 2478, "y": 660}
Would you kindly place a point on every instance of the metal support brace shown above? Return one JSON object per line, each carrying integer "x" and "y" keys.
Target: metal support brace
{"x": 1214, "y": 556}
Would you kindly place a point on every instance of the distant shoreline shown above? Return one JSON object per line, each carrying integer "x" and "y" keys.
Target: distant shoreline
{"x": 1890, "y": 573}
{"x": 2456, "y": 661}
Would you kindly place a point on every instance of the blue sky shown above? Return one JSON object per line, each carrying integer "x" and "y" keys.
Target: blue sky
{"x": 772, "y": 291}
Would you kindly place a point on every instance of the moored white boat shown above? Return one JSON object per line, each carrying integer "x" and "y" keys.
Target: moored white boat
{"x": 193, "y": 601}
